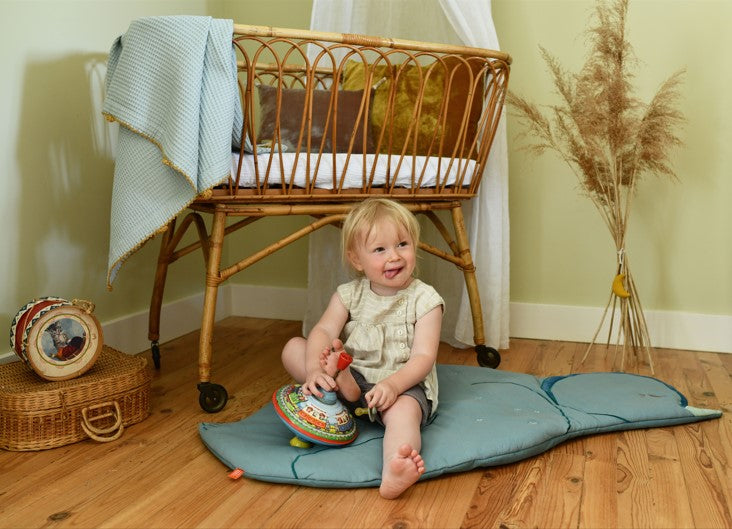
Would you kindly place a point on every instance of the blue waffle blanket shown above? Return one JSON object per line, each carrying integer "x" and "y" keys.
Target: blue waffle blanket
{"x": 172, "y": 86}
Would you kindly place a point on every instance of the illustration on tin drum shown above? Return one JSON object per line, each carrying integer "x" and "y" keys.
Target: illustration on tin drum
{"x": 63, "y": 339}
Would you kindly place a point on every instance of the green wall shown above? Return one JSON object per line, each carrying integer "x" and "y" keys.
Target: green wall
{"x": 680, "y": 237}
{"x": 56, "y": 157}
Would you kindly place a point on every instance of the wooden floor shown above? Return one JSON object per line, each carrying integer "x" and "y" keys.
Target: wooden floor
{"x": 159, "y": 474}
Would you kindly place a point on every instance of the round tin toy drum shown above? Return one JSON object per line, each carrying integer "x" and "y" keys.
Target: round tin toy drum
{"x": 57, "y": 338}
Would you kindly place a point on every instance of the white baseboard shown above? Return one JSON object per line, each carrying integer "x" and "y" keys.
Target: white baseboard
{"x": 129, "y": 333}
{"x": 183, "y": 316}
{"x": 673, "y": 330}
{"x": 268, "y": 302}
{"x": 667, "y": 329}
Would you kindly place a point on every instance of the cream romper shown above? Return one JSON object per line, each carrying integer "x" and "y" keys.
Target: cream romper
{"x": 380, "y": 330}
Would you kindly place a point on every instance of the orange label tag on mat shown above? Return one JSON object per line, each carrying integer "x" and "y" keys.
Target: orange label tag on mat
{"x": 236, "y": 473}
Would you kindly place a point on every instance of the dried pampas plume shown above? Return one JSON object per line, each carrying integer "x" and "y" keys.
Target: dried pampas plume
{"x": 610, "y": 139}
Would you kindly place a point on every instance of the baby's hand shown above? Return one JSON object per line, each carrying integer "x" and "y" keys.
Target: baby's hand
{"x": 316, "y": 381}
{"x": 381, "y": 396}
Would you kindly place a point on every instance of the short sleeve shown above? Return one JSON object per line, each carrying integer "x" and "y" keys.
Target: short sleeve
{"x": 345, "y": 293}
{"x": 348, "y": 292}
{"x": 427, "y": 298}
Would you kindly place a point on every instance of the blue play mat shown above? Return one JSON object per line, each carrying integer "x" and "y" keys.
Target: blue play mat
{"x": 486, "y": 418}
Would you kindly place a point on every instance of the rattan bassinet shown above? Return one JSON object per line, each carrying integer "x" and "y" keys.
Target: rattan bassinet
{"x": 328, "y": 120}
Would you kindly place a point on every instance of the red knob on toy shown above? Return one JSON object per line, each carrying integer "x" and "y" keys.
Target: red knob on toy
{"x": 344, "y": 360}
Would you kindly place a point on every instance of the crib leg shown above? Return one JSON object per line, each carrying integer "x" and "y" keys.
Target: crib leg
{"x": 156, "y": 301}
{"x": 487, "y": 356}
{"x": 212, "y": 397}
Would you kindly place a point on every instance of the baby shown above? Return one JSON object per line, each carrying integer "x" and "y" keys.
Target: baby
{"x": 391, "y": 323}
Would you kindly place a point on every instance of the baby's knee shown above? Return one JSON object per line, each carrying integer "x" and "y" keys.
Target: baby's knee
{"x": 409, "y": 404}
{"x": 404, "y": 407}
{"x": 293, "y": 353}
{"x": 294, "y": 345}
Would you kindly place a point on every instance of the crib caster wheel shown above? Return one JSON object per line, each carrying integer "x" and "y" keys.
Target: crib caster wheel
{"x": 155, "y": 348}
{"x": 212, "y": 397}
{"x": 487, "y": 356}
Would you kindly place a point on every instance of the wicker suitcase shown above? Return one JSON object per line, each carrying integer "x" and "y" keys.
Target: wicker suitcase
{"x": 36, "y": 414}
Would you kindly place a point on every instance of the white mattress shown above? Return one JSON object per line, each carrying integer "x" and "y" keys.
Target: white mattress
{"x": 435, "y": 170}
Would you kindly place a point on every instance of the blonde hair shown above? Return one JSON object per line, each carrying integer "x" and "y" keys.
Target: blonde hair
{"x": 365, "y": 215}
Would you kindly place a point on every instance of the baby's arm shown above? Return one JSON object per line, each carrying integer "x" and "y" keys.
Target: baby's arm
{"x": 321, "y": 337}
{"x": 422, "y": 357}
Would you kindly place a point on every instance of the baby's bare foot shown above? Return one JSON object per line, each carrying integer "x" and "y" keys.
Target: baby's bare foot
{"x": 401, "y": 472}
{"x": 329, "y": 361}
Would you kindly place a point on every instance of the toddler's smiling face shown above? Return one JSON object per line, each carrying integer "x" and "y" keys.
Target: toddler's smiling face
{"x": 386, "y": 255}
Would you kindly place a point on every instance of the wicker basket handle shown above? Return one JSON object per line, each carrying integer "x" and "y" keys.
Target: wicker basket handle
{"x": 102, "y": 434}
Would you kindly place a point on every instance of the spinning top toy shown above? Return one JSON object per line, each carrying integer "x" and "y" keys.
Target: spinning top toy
{"x": 321, "y": 420}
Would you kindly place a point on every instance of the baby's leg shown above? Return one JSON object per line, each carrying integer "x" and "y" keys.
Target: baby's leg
{"x": 293, "y": 358}
{"x": 402, "y": 442}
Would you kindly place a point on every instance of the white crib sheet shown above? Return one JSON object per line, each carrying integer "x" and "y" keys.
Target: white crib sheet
{"x": 435, "y": 169}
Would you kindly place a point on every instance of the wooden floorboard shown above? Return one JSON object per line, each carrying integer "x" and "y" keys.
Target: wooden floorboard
{"x": 160, "y": 475}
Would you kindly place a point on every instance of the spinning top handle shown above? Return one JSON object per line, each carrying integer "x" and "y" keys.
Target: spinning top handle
{"x": 344, "y": 360}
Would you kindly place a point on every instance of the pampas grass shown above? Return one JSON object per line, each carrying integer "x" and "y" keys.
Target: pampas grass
{"x": 610, "y": 139}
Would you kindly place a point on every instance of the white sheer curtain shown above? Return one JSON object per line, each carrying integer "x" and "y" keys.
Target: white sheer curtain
{"x": 466, "y": 22}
